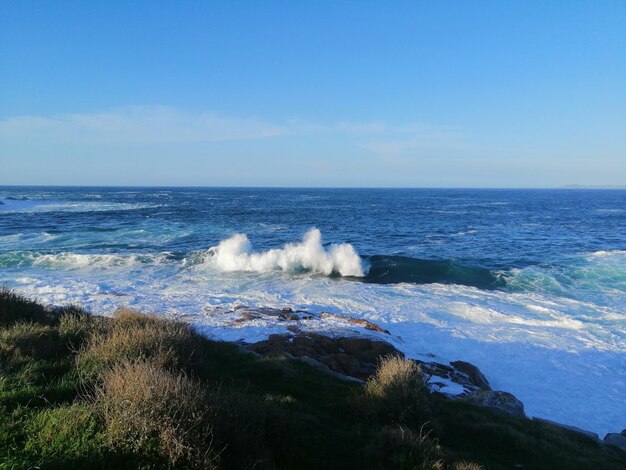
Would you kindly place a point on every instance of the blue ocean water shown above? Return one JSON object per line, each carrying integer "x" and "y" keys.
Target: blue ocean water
{"x": 528, "y": 284}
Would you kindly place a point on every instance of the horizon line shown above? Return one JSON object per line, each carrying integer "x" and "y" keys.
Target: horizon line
{"x": 155, "y": 186}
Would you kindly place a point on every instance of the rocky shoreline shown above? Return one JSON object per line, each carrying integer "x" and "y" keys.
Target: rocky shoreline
{"x": 354, "y": 354}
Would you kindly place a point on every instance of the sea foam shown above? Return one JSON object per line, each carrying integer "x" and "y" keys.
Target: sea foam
{"x": 235, "y": 254}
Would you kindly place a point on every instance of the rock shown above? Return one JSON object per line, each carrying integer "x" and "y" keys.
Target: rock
{"x": 502, "y": 402}
{"x": 368, "y": 325}
{"x": 589, "y": 434}
{"x": 367, "y": 350}
{"x": 473, "y": 372}
{"x": 247, "y": 316}
{"x": 342, "y": 363}
{"x": 617, "y": 440}
{"x": 355, "y": 357}
{"x": 324, "y": 368}
{"x": 465, "y": 374}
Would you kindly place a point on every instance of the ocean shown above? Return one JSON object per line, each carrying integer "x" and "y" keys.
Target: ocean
{"x": 529, "y": 285}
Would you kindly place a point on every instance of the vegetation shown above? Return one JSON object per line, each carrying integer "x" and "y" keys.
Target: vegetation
{"x": 135, "y": 391}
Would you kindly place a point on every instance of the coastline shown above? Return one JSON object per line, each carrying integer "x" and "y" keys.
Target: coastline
{"x": 289, "y": 374}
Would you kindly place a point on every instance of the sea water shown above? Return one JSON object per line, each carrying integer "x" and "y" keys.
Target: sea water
{"x": 529, "y": 285}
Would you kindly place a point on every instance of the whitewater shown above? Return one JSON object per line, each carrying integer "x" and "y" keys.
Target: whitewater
{"x": 528, "y": 285}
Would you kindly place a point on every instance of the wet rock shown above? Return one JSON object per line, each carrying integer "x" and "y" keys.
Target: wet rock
{"x": 468, "y": 377}
{"x": 368, "y": 325}
{"x": 502, "y": 402}
{"x": 617, "y": 440}
{"x": 246, "y": 317}
{"x": 245, "y": 314}
{"x": 473, "y": 373}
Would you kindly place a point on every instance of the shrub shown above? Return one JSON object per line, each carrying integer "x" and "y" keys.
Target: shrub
{"x": 133, "y": 336}
{"x": 154, "y": 412}
{"x": 76, "y": 326}
{"x": 397, "y": 393}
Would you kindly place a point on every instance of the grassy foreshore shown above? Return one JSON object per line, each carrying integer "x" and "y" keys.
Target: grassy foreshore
{"x": 135, "y": 391}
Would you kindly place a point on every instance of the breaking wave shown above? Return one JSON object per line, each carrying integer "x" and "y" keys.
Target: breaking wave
{"x": 587, "y": 275}
{"x": 235, "y": 254}
{"x": 397, "y": 269}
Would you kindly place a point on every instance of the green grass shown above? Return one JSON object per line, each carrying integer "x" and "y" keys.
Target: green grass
{"x": 135, "y": 391}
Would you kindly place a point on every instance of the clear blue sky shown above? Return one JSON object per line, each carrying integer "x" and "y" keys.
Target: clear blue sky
{"x": 317, "y": 93}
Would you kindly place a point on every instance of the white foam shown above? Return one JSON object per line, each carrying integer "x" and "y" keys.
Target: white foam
{"x": 67, "y": 260}
{"x": 606, "y": 253}
{"x": 235, "y": 254}
{"x": 43, "y": 205}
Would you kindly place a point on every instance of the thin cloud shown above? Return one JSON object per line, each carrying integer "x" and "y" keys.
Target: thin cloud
{"x": 160, "y": 124}
{"x": 416, "y": 142}
{"x": 138, "y": 124}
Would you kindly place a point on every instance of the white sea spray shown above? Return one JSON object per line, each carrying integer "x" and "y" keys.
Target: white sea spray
{"x": 235, "y": 254}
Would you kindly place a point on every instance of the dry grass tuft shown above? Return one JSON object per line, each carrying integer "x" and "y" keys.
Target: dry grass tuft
{"x": 152, "y": 411}
{"x": 133, "y": 336}
{"x": 75, "y": 327}
{"x": 462, "y": 465}
{"x": 397, "y": 392}
{"x": 402, "y": 448}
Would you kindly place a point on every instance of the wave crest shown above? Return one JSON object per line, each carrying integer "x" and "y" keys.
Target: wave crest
{"x": 235, "y": 254}
{"x": 67, "y": 260}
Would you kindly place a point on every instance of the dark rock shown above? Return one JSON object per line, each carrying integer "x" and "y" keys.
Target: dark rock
{"x": 451, "y": 374}
{"x": 358, "y": 357}
{"x": 324, "y": 368}
{"x": 617, "y": 440}
{"x": 502, "y": 402}
{"x": 473, "y": 372}
{"x": 367, "y": 350}
{"x": 343, "y": 363}
{"x": 351, "y": 356}
{"x": 247, "y": 316}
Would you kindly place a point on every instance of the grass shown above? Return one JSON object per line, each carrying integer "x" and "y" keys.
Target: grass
{"x": 133, "y": 336}
{"x": 149, "y": 410}
{"x": 136, "y": 391}
{"x": 397, "y": 393}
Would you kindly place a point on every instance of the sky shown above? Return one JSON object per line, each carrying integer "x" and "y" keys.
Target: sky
{"x": 318, "y": 93}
